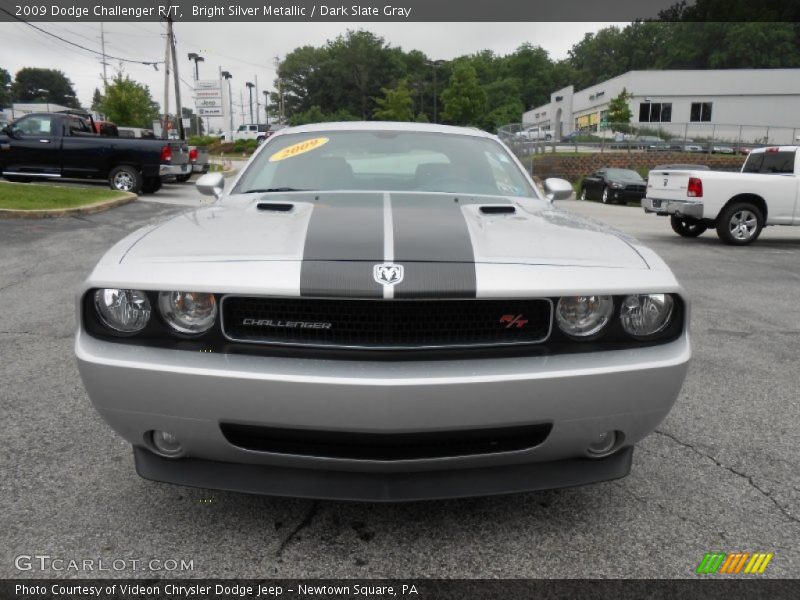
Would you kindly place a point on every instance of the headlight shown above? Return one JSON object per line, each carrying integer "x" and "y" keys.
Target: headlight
{"x": 643, "y": 315}
{"x": 617, "y": 186}
{"x": 188, "y": 312}
{"x": 582, "y": 316}
{"x": 124, "y": 311}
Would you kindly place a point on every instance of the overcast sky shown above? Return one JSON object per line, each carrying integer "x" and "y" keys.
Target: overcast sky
{"x": 247, "y": 49}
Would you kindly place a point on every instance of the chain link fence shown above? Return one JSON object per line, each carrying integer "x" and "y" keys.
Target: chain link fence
{"x": 711, "y": 138}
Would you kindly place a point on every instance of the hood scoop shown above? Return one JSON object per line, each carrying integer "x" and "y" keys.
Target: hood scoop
{"x": 498, "y": 209}
{"x": 281, "y": 207}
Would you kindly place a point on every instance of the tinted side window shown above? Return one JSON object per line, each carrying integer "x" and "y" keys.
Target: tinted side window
{"x": 770, "y": 162}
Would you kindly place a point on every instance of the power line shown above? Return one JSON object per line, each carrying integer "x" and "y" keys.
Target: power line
{"x": 96, "y": 52}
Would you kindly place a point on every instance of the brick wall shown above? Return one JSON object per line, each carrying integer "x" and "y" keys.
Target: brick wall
{"x": 573, "y": 168}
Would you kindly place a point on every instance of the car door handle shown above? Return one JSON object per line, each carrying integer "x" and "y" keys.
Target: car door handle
{"x": 45, "y": 141}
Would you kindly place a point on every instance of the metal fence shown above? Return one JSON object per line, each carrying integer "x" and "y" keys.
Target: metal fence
{"x": 712, "y": 138}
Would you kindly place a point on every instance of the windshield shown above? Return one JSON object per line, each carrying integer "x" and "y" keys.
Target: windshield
{"x": 624, "y": 174}
{"x": 386, "y": 161}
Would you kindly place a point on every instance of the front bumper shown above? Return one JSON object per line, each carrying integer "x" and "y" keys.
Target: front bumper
{"x": 139, "y": 389}
{"x": 680, "y": 208}
{"x": 626, "y": 195}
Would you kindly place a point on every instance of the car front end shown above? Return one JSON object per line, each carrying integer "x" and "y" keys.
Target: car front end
{"x": 381, "y": 346}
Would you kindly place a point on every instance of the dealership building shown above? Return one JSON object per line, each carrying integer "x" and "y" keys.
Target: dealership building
{"x": 752, "y": 104}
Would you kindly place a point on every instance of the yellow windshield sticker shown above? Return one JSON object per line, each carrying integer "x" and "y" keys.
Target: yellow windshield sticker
{"x": 299, "y": 148}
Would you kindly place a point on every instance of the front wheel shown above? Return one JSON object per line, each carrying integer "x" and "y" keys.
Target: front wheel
{"x": 606, "y": 195}
{"x": 583, "y": 194}
{"x": 125, "y": 179}
{"x": 687, "y": 227}
{"x": 740, "y": 224}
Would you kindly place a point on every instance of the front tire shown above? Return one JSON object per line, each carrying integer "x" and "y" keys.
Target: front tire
{"x": 740, "y": 224}
{"x": 684, "y": 227}
{"x": 583, "y": 194}
{"x": 606, "y": 196}
{"x": 125, "y": 179}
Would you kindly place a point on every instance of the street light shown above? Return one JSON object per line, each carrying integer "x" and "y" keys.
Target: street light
{"x": 436, "y": 64}
{"x": 227, "y": 76}
{"x": 250, "y": 87}
{"x": 197, "y": 59}
{"x": 266, "y": 104}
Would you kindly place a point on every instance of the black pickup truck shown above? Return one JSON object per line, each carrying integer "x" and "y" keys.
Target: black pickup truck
{"x": 55, "y": 145}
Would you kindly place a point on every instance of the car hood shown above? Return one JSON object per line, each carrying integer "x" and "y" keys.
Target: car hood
{"x": 384, "y": 227}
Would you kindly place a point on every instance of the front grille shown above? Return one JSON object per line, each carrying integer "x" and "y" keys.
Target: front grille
{"x": 385, "y": 446}
{"x": 636, "y": 188}
{"x": 386, "y": 324}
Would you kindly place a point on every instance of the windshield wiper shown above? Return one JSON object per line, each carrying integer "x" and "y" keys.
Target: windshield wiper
{"x": 277, "y": 189}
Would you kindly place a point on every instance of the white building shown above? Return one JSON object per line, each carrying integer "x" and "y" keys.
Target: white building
{"x": 750, "y": 104}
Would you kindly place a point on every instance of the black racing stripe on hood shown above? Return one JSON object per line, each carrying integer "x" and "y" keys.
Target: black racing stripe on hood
{"x": 343, "y": 241}
{"x": 433, "y": 243}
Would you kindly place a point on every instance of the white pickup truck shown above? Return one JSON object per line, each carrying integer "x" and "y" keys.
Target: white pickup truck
{"x": 738, "y": 205}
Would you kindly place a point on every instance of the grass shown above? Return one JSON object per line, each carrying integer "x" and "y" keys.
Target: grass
{"x": 26, "y": 196}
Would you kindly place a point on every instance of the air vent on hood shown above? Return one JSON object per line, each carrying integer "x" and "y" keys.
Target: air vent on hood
{"x": 498, "y": 209}
{"x": 274, "y": 206}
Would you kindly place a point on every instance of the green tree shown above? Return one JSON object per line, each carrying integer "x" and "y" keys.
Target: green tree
{"x": 97, "y": 100}
{"x": 44, "y": 85}
{"x": 127, "y": 102}
{"x": 5, "y": 81}
{"x": 464, "y": 100}
{"x": 618, "y": 110}
{"x": 396, "y": 104}
{"x": 316, "y": 115}
{"x": 503, "y": 104}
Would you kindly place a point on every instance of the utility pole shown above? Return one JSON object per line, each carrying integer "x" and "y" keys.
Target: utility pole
{"x": 227, "y": 76}
{"x": 258, "y": 111}
{"x": 165, "y": 124}
{"x": 250, "y": 87}
{"x": 103, "y": 49}
{"x": 277, "y": 63}
{"x": 178, "y": 108}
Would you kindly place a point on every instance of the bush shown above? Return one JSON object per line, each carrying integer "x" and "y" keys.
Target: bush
{"x": 202, "y": 140}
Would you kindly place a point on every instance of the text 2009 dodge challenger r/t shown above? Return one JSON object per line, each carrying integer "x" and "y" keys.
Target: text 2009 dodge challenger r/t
{"x": 382, "y": 311}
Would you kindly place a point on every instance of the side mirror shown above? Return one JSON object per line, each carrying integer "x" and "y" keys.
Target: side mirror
{"x": 556, "y": 189}
{"x": 211, "y": 184}
{"x": 8, "y": 131}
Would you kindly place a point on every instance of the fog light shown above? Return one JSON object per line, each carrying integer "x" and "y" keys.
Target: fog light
{"x": 603, "y": 443}
{"x": 166, "y": 443}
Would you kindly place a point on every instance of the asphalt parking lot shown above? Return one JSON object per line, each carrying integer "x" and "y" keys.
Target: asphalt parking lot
{"x": 721, "y": 473}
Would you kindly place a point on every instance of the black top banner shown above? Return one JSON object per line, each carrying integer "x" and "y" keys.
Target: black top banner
{"x": 334, "y": 11}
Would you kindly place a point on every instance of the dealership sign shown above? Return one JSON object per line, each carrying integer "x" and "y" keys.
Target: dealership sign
{"x": 208, "y": 98}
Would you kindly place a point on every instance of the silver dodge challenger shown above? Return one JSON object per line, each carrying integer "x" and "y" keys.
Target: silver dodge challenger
{"x": 382, "y": 311}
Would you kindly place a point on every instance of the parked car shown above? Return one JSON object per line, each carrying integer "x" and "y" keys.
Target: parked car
{"x": 199, "y": 160}
{"x": 737, "y": 205}
{"x": 721, "y": 149}
{"x": 54, "y": 145}
{"x": 613, "y": 186}
{"x": 382, "y": 311}
{"x": 535, "y": 134}
{"x": 250, "y": 131}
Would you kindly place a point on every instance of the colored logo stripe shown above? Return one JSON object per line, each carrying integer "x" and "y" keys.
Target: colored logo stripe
{"x": 732, "y": 564}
